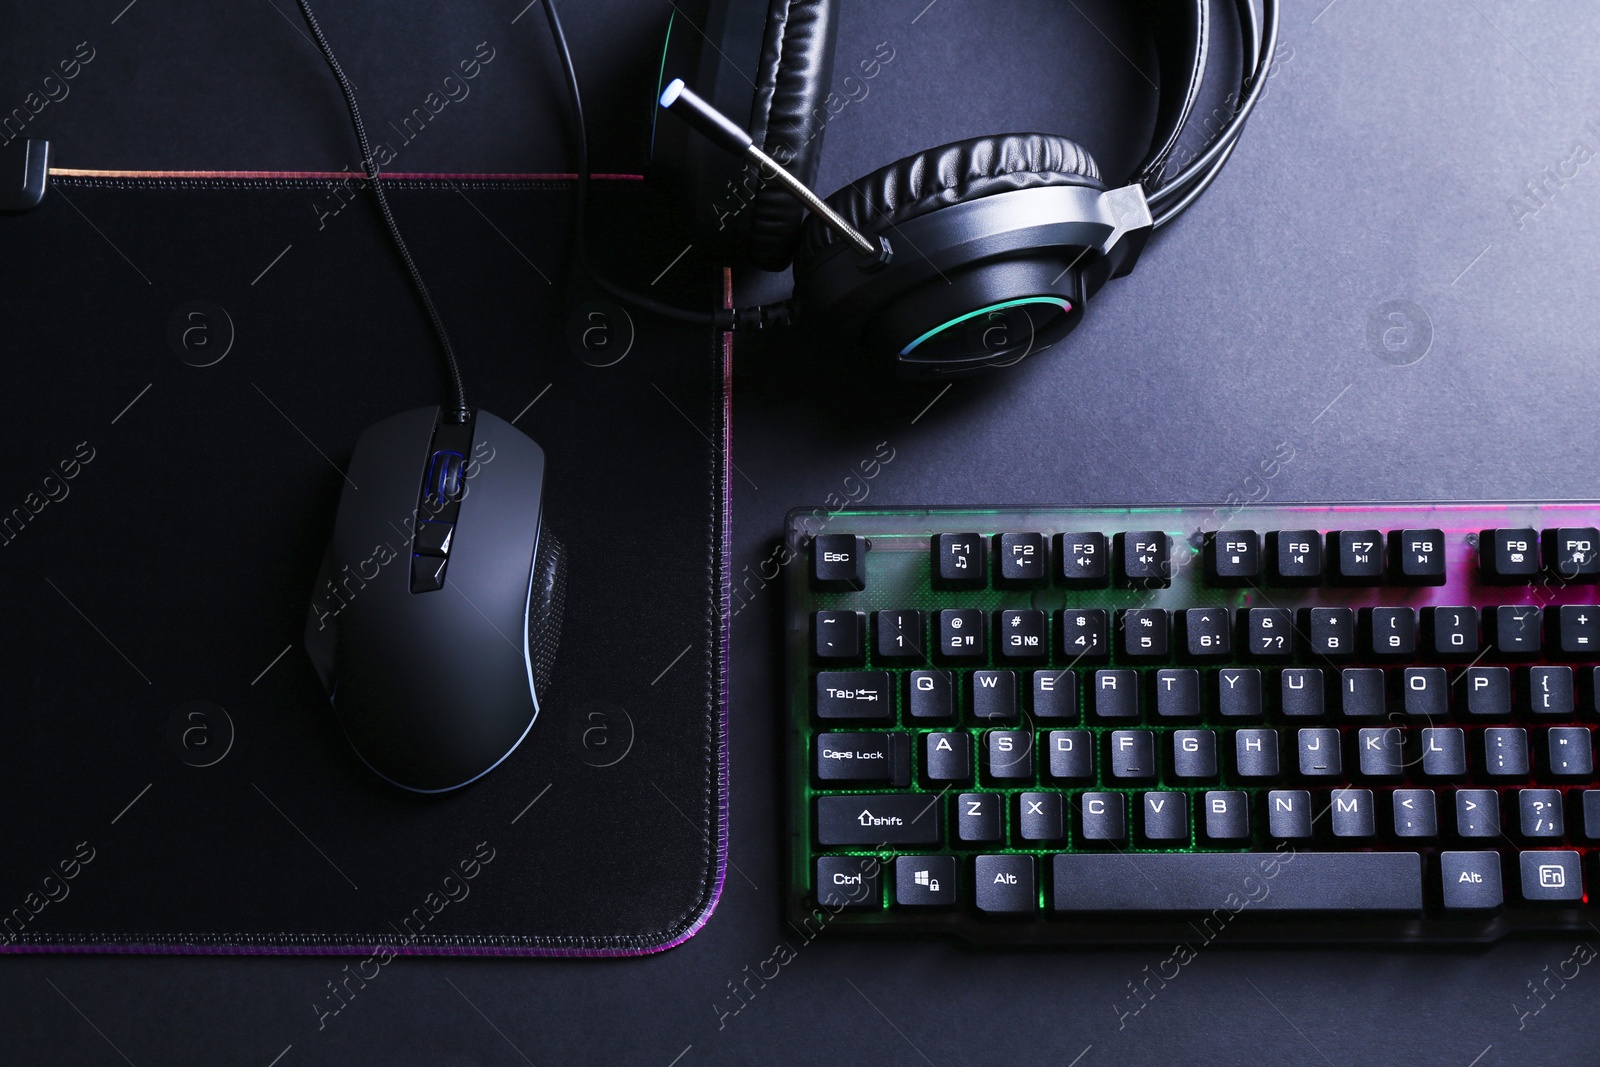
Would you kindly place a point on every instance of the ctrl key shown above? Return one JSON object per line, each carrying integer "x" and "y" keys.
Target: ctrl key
{"x": 849, "y": 883}
{"x": 1471, "y": 880}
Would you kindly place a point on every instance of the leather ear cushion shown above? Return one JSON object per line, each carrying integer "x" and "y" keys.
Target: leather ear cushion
{"x": 954, "y": 173}
{"x": 787, "y": 120}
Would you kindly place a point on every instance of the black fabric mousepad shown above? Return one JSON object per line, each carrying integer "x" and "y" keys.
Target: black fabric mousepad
{"x": 188, "y": 365}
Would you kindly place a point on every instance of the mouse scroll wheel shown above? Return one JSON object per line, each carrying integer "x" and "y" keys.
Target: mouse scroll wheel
{"x": 447, "y": 476}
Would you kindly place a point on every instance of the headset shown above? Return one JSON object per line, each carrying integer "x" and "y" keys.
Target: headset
{"x": 953, "y": 261}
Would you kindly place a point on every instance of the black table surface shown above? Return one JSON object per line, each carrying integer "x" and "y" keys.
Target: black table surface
{"x": 1394, "y": 278}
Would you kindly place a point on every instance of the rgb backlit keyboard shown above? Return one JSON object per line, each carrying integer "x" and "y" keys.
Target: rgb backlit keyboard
{"x": 1129, "y": 724}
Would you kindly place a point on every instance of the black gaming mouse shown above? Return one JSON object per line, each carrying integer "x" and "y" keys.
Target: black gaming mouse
{"x": 436, "y": 616}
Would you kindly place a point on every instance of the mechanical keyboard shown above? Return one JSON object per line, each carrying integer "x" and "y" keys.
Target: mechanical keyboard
{"x": 1309, "y": 723}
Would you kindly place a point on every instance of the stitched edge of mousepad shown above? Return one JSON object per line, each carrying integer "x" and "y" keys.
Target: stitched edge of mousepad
{"x": 186, "y": 391}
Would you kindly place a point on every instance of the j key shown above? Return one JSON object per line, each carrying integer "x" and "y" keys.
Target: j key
{"x": 1164, "y": 817}
{"x": 1382, "y": 751}
{"x": 1295, "y": 557}
{"x": 994, "y": 695}
{"x": 1116, "y": 694}
{"x": 1239, "y": 693}
{"x": 1203, "y": 882}
{"x": 1133, "y": 754}
{"x": 1571, "y": 754}
{"x": 899, "y": 635}
{"x": 1505, "y": 751}
{"x": 838, "y": 561}
{"x": 1083, "y": 634}
{"x": 1205, "y": 633}
{"x": 1417, "y": 557}
{"x": 925, "y": 881}
{"x": 1572, "y": 554}
{"x": 1082, "y": 561}
{"x": 1452, "y": 631}
{"x": 1319, "y": 753}
{"x": 1361, "y": 693}
{"x": 1415, "y": 814}
{"x": 1471, "y": 880}
{"x": 1351, "y": 813}
{"x": 1426, "y": 693}
{"x": 1102, "y": 817}
{"x": 1577, "y": 628}
{"x": 1021, "y": 634}
{"x": 1477, "y": 813}
{"x": 1539, "y": 813}
{"x": 929, "y": 695}
{"x": 1357, "y": 556}
{"x": 1039, "y": 817}
{"x": 837, "y": 635}
{"x": 1071, "y": 754}
{"x": 1269, "y": 633}
{"x": 1194, "y": 754}
{"x": 1444, "y": 751}
{"x": 1255, "y": 753}
{"x": 860, "y": 756}
{"x": 1289, "y": 814}
{"x": 848, "y": 882}
{"x": 1516, "y": 628}
{"x": 877, "y": 819}
{"x": 958, "y": 560}
{"x": 1550, "y": 691}
{"x": 1227, "y": 815}
{"x": 1489, "y": 692}
{"x": 1555, "y": 874}
{"x": 1301, "y": 692}
{"x": 1178, "y": 694}
{"x": 947, "y": 757}
{"x": 1055, "y": 695}
{"x": 1142, "y": 633}
{"x": 1144, "y": 560}
{"x": 1021, "y": 559}
{"x": 1008, "y": 755}
{"x": 1508, "y": 556}
{"x": 1331, "y": 631}
{"x": 860, "y": 695}
{"x": 978, "y": 817}
{"x": 1004, "y": 885}
{"x": 961, "y": 634}
{"x": 1391, "y": 631}
{"x": 1233, "y": 557}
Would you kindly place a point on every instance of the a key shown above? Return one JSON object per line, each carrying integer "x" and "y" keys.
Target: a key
{"x": 1517, "y": 629}
{"x": 1426, "y": 693}
{"x": 1289, "y": 814}
{"x": 1116, "y": 694}
{"x": 1205, "y": 633}
{"x": 1164, "y": 817}
{"x": 1489, "y": 692}
{"x": 848, "y": 882}
{"x": 863, "y": 696}
{"x": 1203, "y": 881}
{"x": 994, "y": 695}
{"x": 1391, "y": 631}
{"x": 1576, "y": 629}
{"x": 1417, "y": 557}
{"x": 1452, "y": 631}
{"x": 1020, "y": 635}
{"x": 1505, "y": 751}
{"x": 1102, "y": 817}
{"x": 838, "y": 561}
{"x": 1477, "y": 813}
{"x": 1178, "y": 694}
{"x": 1357, "y": 556}
{"x": 1539, "y": 813}
{"x": 1004, "y": 885}
{"x": 1233, "y": 557}
{"x": 1295, "y": 557}
{"x": 947, "y": 757}
{"x": 1471, "y": 880}
{"x": 1331, "y": 632}
{"x": 1255, "y": 753}
{"x": 1269, "y": 633}
{"x": 1554, "y": 874}
{"x": 1415, "y": 814}
{"x": 1227, "y": 815}
{"x": 1382, "y": 752}
{"x": 1444, "y": 751}
{"x": 864, "y": 757}
{"x": 1021, "y": 559}
{"x": 1082, "y": 561}
{"x": 1550, "y": 691}
{"x": 875, "y": 819}
{"x": 1351, "y": 813}
{"x": 1301, "y": 692}
{"x": 899, "y": 635}
{"x": 1239, "y": 693}
{"x": 1071, "y": 755}
{"x": 1572, "y": 553}
{"x": 1571, "y": 754}
{"x": 1083, "y": 635}
{"x": 961, "y": 634}
{"x": 836, "y": 636}
{"x": 1194, "y": 754}
{"x": 1133, "y": 754}
{"x": 1055, "y": 695}
{"x": 1361, "y": 693}
{"x": 1039, "y": 817}
{"x": 978, "y": 817}
{"x": 1008, "y": 755}
{"x": 925, "y": 881}
{"x": 1144, "y": 559}
{"x": 1142, "y": 633}
{"x": 1319, "y": 753}
{"x": 958, "y": 560}
{"x": 929, "y": 695}
{"x": 1508, "y": 556}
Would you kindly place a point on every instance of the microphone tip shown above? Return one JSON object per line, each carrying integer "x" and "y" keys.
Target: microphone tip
{"x": 670, "y": 94}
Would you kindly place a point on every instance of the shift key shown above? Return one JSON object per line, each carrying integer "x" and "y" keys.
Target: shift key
{"x": 870, "y": 757}
{"x": 878, "y": 819}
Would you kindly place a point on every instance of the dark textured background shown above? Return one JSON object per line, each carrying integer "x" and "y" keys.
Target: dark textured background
{"x": 1381, "y": 167}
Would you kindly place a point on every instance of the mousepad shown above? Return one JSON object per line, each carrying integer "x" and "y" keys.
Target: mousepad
{"x": 190, "y": 360}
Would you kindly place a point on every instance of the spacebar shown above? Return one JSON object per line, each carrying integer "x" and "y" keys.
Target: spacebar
{"x": 1266, "y": 881}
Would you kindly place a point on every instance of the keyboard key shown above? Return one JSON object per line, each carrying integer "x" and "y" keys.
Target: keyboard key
{"x": 1022, "y": 559}
{"x": 839, "y": 561}
{"x": 1508, "y": 556}
{"x": 1082, "y": 561}
{"x": 875, "y": 819}
{"x": 1102, "y": 817}
{"x": 958, "y": 560}
{"x": 1239, "y": 694}
{"x": 1289, "y": 814}
{"x": 1071, "y": 754}
{"x": 1319, "y": 753}
{"x": 837, "y": 635}
{"x": 1444, "y": 752}
{"x": 961, "y": 634}
{"x": 1539, "y": 813}
{"x": 1133, "y": 754}
{"x": 1116, "y": 694}
{"x": 1361, "y": 693}
{"x": 1550, "y": 691}
{"x": 1489, "y": 692}
{"x": 1144, "y": 559}
{"x": 1576, "y": 629}
{"x": 1302, "y": 692}
{"x": 1227, "y": 815}
{"x": 929, "y": 695}
{"x": 1083, "y": 634}
{"x": 1055, "y": 695}
{"x": 1021, "y": 634}
{"x": 1416, "y": 557}
{"x": 1004, "y": 885}
{"x": 1505, "y": 752}
{"x": 978, "y": 817}
{"x": 848, "y": 882}
{"x": 1194, "y": 754}
{"x": 1471, "y": 880}
{"x": 1517, "y": 629}
{"x": 899, "y": 635}
{"x": 1415, "y": 814}
{"x": 1331, "y": 632}
{"x": 994, "y": 695}
{"x": 1391, "y": 631}
{"x": 1269, "y": 633}
{"x": 1357, "y": 556}
{"x": 1571, "y": 754}
{"x": 1351, "y": 813}
{"x": 1164, "y": 817}
{"x": 1591, "y": 814}
{"x": 947, "y": 757}
{"x": 1142, "y": 633}
{"x": 1039, "y": 817}
{"x": 1233, "y": 557}
{"x": 1551, "y": 875}
{"x": 1255, "y": 753}
{"x": 1178, "y": 694}
{"x": 1008, "y": 755}
{"x": 1572, "y": 553}
{"x": 1452, "y": 631}
{"x": 1426, "y": 693}
{"x": 1295, "y": 557}
{"x": 1382, "y": 752}
{"x": 1205, "y": 881}
{"x": 1205, "y": 633}
{"x": 925, "y": 881}
{"x": 863, "y": 696}
{"x": 1477, "y": 813}
{"x": 863, "y": 757}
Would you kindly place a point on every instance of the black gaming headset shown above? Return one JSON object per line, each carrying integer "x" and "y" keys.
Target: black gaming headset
{"x": 955, "y": 260}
